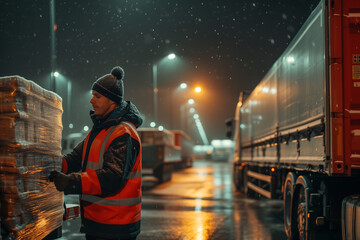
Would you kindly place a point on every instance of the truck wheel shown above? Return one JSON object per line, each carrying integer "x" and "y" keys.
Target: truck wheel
{"x": 189, "y": 162}
{"x": 300, "y": 202}
{"x": 245, "y": 179}
{"x": 301, "y": 220}
{"x": 238, "y": 178}
{"x": 288, "y": 206}
{"x": 164, "y": 173}
{"x": 350, "y": 216}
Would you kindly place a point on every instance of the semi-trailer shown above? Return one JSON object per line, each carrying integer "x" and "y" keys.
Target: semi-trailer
{"x": 297, "y": 134}
{"x": 164, "y": 151}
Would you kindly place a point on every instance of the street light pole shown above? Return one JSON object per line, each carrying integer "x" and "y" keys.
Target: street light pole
{"x": 190, "y": 121}
{"x": 155, "y": 91}
{"x": 53, "y": 28}
{"x": 186, "y": 92}
{"x": 184, "y": 115}
{"x": 155, "y": 88}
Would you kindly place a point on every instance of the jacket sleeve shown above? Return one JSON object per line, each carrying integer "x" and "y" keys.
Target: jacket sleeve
{"x": 72, "y": 162}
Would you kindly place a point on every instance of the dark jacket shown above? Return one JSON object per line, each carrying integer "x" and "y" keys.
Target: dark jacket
{"x": 117, "y": 160}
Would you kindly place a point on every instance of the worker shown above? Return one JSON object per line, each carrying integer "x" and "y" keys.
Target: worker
{"x": 105, "y": 168}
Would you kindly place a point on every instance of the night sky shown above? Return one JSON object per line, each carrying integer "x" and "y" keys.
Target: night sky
{"x": 224, "y": 46}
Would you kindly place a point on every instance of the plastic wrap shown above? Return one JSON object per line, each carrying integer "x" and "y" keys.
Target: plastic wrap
{"x": 30, "y": 148}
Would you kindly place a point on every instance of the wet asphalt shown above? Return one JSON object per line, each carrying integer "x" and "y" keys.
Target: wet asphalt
{"x": 200, "y": 203}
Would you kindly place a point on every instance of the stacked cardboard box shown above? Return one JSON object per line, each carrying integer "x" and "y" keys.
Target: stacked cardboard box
{"x": 30, "y": 148}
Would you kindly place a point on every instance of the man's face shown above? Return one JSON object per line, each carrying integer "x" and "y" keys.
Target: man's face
{"x": 101, "y": 105}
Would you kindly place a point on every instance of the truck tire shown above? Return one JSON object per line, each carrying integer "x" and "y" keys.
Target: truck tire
{"x": 238, "y": 178}
{"x": 187, "y": 162}
{"x": 301, "y": 208}
{"x": 164, "y": 173}
{"x": 350, "y": 217}
{"x": 289, "y": 186}
{"x": 245, "y": 179}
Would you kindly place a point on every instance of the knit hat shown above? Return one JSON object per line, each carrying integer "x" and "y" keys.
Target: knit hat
{"x": 111, "y": 85}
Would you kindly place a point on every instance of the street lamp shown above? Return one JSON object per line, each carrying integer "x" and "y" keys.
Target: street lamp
{"x": 53, "y": 28}
{"x": 180, "y": 94}
{"x": 184, "y": 112}
{"x": 63, "y": 87}
{"x": 188, "y": 115}
{"x": 171, "y": 56}
{"x": 183, "y": 85}
{"x": 155, "y": 89}
{"x": 201, "y": 130}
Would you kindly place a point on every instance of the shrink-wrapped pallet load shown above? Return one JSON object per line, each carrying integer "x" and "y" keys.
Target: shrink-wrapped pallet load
{"x": 30, "y": 148}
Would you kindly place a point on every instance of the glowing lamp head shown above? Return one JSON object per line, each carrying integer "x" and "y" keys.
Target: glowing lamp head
{"x": 171, "y": 56}
{"x": 183, "y": 86}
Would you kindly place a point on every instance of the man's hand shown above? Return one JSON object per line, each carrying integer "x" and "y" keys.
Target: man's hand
{"x": 60, "y": 180}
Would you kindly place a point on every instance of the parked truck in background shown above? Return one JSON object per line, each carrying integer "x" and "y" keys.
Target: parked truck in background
{"x": 297, "y": 134}
{"x": 222, "y": 149}
{"x": 163, "y": 151}
{"x": 202, "y": 152}
{"x": 186, "y": 145}
{"x": 69, "y": 142}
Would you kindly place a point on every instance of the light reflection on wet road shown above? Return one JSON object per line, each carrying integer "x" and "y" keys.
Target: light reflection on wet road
{"x": 200, "y": 203}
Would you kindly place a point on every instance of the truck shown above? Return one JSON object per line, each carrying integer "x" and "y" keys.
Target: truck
{"x": 163, "y": 151}
{"x": 69, "y": 142}
{"x": 297, "y": 134}
{"x": 202, "y": 152}
{"x": 222, "y": 149}
{"x": 186, "y": 146}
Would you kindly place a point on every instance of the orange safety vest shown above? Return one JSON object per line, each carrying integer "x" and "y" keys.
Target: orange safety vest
{"x": 123, "y": 207}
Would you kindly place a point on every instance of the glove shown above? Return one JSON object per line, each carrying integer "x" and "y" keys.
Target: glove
{"x": 60, "y": 180}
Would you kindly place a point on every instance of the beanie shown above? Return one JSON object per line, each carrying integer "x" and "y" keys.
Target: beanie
{"x": 111, "y": 85}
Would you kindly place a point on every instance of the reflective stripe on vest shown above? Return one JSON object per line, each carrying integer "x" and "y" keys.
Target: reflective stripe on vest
{"x": 111, "y": 202}
{"x": 99, "y": 164}
{"x": 136, "y": 174}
